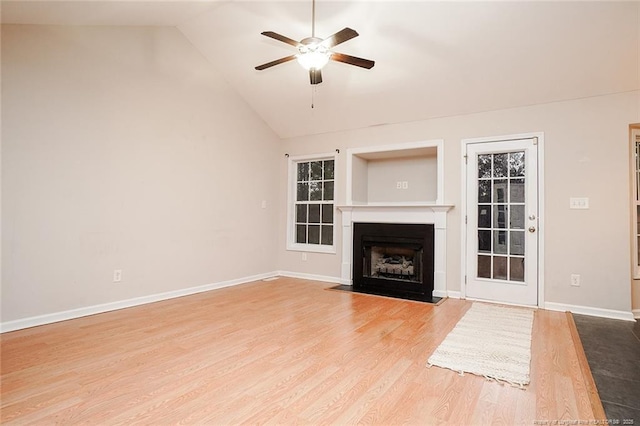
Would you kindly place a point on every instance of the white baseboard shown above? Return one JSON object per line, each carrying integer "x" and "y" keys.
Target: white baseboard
{"x": 121, "y": 304}
{"x": 587, "y": 310}
{"x": 454, "y": 294}
{"x": 440, "y": 293}
{"x": 636, "y": 313}
{"x": 313, "y": 277}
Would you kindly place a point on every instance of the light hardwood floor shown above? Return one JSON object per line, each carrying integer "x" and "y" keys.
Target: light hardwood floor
{"x": 285, "y": 351}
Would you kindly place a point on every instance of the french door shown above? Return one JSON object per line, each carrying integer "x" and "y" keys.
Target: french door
{"x": 502, "y": 221}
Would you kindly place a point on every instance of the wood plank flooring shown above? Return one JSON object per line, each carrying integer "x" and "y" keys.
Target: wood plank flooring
{"x": 286, "y": 351}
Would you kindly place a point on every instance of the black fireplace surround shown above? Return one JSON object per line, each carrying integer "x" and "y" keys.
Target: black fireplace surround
{"x": 394, "y": 259}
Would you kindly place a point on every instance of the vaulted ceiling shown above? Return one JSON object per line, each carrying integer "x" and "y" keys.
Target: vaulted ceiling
{"x": 433, "y": 59}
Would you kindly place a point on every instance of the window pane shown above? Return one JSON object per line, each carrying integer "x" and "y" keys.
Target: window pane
{"x": 484, "y": 191}
{"x": 517, "y": 191}
{"x": 301, "y": 213}
{"x": 517, "y": 269}
{"x": 316, "y": 170}
{"x": 516, "y": 217}
{"x": 500, "y": 216}
{"x": 484, "y": 216}
{"x": 328, "y": 169}
{"x": 314, "y": 234}
{"x": 484, "y": 166}
{"x": 500, "y": 167}
{"x": 301, "y": 234}
{"x": 517, "y": 242}
{"x": 500, "y": 242}
{"x": 328, "y": 191}
{"x": 327, "y": 213}
{"x": 500, "y": 191}
{"x": 499, "y": 268}
{"x": 484, "y": 266}
{"x": 516, "y": 164}
{"x": 303, "y": 192}
{"x": 484, "y": 241}
{"x": 315, "y": 191}
{"x": 314, "y": 213}
{"x": 327, "y": 235}
{"x": 303, "y": 172}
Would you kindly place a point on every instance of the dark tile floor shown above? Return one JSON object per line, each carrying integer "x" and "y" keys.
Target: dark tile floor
{"x": 612, "y": 348}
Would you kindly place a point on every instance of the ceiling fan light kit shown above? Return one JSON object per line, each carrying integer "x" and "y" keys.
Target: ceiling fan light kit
{"x": 314, "y": 53}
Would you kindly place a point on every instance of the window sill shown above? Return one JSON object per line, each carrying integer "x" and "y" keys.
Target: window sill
{"x": 312, "y": 248}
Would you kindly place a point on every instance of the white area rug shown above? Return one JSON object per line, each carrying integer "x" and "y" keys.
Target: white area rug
{"x": 491, "y": 341}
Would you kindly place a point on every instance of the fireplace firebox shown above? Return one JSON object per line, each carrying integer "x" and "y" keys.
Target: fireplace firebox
{"x": 394, "y": 259}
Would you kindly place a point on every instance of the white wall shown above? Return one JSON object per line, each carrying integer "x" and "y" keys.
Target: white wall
{"x": 122, "y": 148}
{"x": 586, "y": 155}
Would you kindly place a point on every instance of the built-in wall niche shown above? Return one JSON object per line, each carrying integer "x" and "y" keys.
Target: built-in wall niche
{"x": 408, "y": 173}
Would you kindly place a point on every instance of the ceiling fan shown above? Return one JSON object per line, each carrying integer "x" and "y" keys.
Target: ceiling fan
{"x": 314, "y": 53}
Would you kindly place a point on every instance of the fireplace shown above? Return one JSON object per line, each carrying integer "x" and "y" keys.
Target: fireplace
{"x": 394, "y": 259}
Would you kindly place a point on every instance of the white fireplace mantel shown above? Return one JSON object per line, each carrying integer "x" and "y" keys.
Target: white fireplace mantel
{"x": 419, "y": 213}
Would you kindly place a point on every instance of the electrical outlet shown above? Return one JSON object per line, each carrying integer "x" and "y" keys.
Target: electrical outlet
{"x": 579, "y": 203}
{"x": 304, "y": 257}
{"x": 117, "y": 275}
{"x": 575, "y": 280}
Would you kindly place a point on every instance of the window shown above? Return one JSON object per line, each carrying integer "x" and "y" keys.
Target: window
{"x": 311, "y": 217}
{"x": 635, "y": 202}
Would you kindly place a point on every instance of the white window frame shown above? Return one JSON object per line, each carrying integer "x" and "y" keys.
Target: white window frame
{"x": 635, "y": 196}
{"x": 291, "y": 202}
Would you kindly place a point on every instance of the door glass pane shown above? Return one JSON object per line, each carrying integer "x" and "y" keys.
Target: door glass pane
{"x": 484, "y": 216}
{"x": 500, "y": 242}
{"x": 500, "y": 216}
{"x": 484, "y": 166}
{"x": 500, "y": 167}
{"x": 516, "y": 217}
{"x": 516, "y": 164}
{"x": 500, "y": 191}
{"x": 516, "y": 194}
{"x": 516, "y": 268}
{"x": 484, "y": 266}
{"x": 499, "y": 267}
{"x": 484, "y": 191}
{"x": 517, "y": 243}
{"x": 484, "y": 241}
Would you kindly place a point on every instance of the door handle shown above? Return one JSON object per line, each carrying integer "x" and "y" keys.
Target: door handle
{"x": 532, "y": 229}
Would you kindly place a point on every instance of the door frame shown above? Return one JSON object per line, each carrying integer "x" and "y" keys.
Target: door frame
{"x": 541, "y": 216}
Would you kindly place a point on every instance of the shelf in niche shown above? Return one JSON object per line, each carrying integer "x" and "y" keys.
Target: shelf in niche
{"x": 374, "y": 173}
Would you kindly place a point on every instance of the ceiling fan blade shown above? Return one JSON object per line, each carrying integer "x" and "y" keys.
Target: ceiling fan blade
{"x": 281, "y": 38}
{"x": 276, "y": 62}
{"x": 315, "y": 76}
{"x": 352, "y": 60}
{"x": 339, "y": 37}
